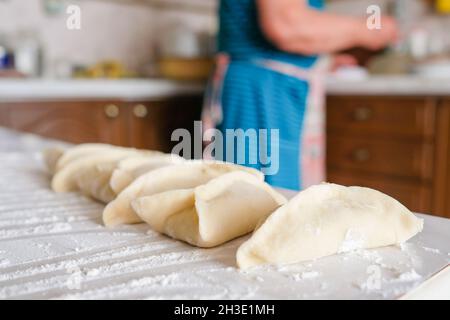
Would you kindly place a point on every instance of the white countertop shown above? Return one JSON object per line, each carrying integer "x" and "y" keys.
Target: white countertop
{"x": 132, "y": 89}
{"x": 55, "y": 246}
{"x": 141, "y": 89}
{"x": 389, "y": 85}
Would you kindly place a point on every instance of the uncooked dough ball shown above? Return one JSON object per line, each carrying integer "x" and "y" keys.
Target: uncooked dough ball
{"x": 327, "y": 219}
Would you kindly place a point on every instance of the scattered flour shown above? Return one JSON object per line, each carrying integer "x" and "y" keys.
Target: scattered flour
{"x": 306, "y": 275}
{"x": 353, "y": 240}
{"x": 163, "y": 280}
{"x": 134, "y": 262}
{"x": 404, "y": 246}
{"x": 408, "y": 276}
{"x": 60, "y": 227}
{"x": 437, "y": 251}
{"x": 4, "y": 262}
{"x": 93, "y": 272}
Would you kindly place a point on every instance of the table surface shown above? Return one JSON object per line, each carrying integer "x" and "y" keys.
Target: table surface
{"x": 55, "y": 246}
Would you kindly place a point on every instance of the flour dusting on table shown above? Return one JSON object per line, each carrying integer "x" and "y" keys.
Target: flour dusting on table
{"x": 54, "y": 246}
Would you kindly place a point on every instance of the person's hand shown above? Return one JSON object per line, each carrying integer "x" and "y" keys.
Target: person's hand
{"x": 343, "y": 60}
{"x": 377, "y": 39}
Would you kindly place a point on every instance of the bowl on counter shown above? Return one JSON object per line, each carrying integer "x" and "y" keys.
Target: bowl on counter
{"x": 185, "y": 69}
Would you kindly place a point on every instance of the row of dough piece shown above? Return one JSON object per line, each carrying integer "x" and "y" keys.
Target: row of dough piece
{"x": 207, "y": 203}
{"x": 204, "y": 203}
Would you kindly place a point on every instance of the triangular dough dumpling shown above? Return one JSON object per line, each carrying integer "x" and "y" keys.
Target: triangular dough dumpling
{"x": 83, "y": 150}
{"x": 86, "y": 149}
{"x": 65, "y": 178}
{"x": 327, "y": 219}
{"x": 95, "y": 179}
{"x": 130, "y": 169}
{"x": 224, "y": 208}
{"x": 181, "y": 176}
{"x": 51, "y": 157}
{"x": 72, "y": 164}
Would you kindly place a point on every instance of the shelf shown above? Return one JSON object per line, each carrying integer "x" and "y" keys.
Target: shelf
{"x": 193, "y": 6}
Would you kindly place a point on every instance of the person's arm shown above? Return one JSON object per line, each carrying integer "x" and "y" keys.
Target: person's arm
{"x": 294, "y": 27}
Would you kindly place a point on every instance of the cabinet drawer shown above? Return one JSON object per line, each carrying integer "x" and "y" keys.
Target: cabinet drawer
{"x": 71, "y": 121}
{"x": 400, "y": 159}
{"x": 4, "y": 116}
{"x": 416, "y": 197}
{"x": 398, "y": 116}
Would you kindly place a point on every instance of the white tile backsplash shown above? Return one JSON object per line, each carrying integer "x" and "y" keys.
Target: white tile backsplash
{"x": 125, "y": 30}
{"x": 108, "y": 31}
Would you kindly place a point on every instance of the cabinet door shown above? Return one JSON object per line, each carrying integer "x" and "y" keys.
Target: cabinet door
{"x": 4, "y": 116}
{"x": 151, "y": 123}
{"x": 71, "y": 121}
{"x": 385, "y": 143}
{"x": 442, "y": 161}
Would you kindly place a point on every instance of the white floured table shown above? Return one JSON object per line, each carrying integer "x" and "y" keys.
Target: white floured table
{"x": 54, "y": 246}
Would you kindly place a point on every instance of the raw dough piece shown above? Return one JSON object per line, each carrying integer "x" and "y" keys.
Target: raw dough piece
{"x": 95, "y": 180}
{"x": 51, "y": 157}
{"x": 130, "y": 169}
{"x": 181, "y": 176}
{"x": 87, "y": 156}
{"x": 82, "y": 150}
{"x": 65, "y": 178}
{"x": 327, "y": 219}
{"x": 224, "y": 208}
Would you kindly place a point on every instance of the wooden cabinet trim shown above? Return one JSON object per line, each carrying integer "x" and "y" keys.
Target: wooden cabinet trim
{"x": 442, "y": 161}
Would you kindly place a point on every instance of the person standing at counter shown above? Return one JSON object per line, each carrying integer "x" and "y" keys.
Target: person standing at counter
{"x": 267, "y": 50}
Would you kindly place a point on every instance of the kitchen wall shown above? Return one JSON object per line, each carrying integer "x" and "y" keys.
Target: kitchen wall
{"x": 121, "y": 30}
{"x": 125, "y": 30}
{"x": 109, "y": 30}
{"x": 414, "y": 17}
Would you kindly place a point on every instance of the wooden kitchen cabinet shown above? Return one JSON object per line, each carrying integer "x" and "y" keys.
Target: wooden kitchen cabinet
{"x": 400, "y": 117}
{"x": 402, "y": 159}
{"x": 415, "y": 196}
{"x": 143, "y": 124}
{"x": 72, "y": 121}
{"x": 398, "y": 145}
{"x": 442, "y": 154}
{"x": 151, "y": 123}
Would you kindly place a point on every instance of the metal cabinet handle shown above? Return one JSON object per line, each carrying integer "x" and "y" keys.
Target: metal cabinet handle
{"x": 362, "y": 114}
{"x": 140, "y": 111}
{"x": 361, "y": 155}
{"x": 112, "y": 111}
